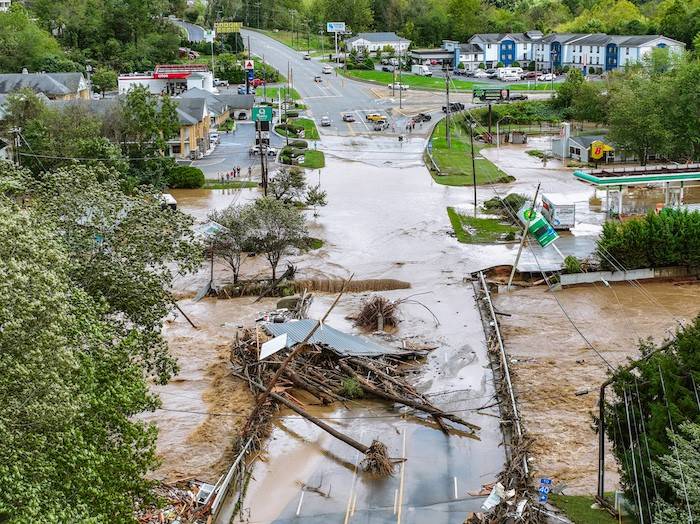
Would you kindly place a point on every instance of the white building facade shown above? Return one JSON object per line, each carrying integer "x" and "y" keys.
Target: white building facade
{"x": 5, "y": 5}
{"x": 371, "y": 42}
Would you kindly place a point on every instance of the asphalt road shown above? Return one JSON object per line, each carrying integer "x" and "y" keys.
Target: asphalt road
{"x": 195, "y": 33}
{"x": 335, "y": 95}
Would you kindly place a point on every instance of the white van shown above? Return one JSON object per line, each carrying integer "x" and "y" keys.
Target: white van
{"x": 327, "y": 70}
{"x": 507, "y": 74}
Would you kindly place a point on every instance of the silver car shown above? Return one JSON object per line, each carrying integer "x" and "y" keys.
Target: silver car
{"x": 325, "y": 121}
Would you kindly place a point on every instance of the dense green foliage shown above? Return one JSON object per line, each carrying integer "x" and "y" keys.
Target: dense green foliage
{"x": 24, "y": 44}
{"x": 129, "y": 134}
{"x": 82, "y": 298}
{"x": 428, "y": 22}
{"x": 186, "y": 177}
{"x": 671, "y": 238}
{"x": 663, "y": 387}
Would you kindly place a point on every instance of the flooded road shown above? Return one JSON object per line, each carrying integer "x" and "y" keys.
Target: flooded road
{"x": 386, "y": 218}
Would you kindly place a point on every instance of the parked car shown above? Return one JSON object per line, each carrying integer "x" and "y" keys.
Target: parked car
{"x": 318, "y": 78}
{"x": 480, "y": 73}
{"x": 257, "y": 82}
{"x": 385, "y": 61}
{"x": 214, "y": 138}
{"x": 381, "y": 125}
{"x": 548, "y": 77}
{"x": 387, "y": 69}
{"x": 491, "y": 73}
{"x": 241, "y": 90}
{"x": 517, "y": 96}
{"x": 269, "y": 151}
{"x": 375, "y": 117}
{"x": 531, "y": 75}
{"x": 242, "y": 115}
{"x": 220, "y": 83}
{"x": 396, "y": 85}
{"x": 325, "y": 121}
{"x": 422, "y": 117}
{"x": 348, "y": 117}
{"x": 327, "y": 70}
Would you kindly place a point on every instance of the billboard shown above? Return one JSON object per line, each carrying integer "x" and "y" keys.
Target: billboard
{"x": 228, "y": 27}
{"x": 335, "y": 27}
{"x": 262, "y": 114}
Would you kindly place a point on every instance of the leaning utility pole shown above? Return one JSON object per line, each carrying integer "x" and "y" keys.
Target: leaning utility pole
{"x": 522, "y": 240}
{"x": 448, "y": 123}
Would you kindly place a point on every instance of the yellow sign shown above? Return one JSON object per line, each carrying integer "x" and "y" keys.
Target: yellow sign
{"x": 599, "y": 148}
{"x": 228, "y": 27}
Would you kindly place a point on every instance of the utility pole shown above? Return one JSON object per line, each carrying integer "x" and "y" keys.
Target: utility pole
{"x": 522, "y": 240}
{"x": 448, "y": 123}
{"x": 471, "y": 143}
{"x": 247, "y": 81}
{"x": 15, "y": 148}
{"x": 490, "y": 119}
{"x": 400, "y": 78}
{"x": 286, "y": 97}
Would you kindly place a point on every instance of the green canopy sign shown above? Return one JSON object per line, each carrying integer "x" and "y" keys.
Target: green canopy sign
{"x": 539, "y": 228}
{"x": 262, "y": 114}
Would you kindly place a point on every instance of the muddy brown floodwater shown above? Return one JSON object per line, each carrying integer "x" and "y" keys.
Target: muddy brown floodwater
{"x": 386, "y": 218}
{"x": 551, "y": 362}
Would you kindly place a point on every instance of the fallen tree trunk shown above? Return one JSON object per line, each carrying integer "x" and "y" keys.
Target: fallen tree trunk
{"x": 376, "y": 458}
{"x": 427, "y": 408}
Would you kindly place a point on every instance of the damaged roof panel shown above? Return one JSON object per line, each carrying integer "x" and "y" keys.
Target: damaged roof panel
{"x": 337, "y": 341}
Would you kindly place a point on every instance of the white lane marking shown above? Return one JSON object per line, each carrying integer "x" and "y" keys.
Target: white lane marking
{"x": 301, "y": 499}
{"x": 456, "y": 495}
{"x": 396, "y": 500}
{"x": 403, "y": 475}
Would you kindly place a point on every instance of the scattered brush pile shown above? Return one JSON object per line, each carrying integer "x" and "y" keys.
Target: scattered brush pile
{"x": 326, "y": 285}
{"x": 180, "y": 505}
{"x": 330, "y": 377}
{"x": 377, "y": 313}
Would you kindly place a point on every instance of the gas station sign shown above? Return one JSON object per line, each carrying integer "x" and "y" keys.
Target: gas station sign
{"x": 539, "y": 228}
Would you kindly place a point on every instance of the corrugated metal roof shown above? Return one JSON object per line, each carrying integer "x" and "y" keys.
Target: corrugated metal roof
{"x": 337, "y": 341}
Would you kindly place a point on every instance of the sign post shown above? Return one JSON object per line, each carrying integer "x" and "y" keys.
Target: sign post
{"x": 335, "y": 28}
{"x": 249, "y": 66}
{"x": 262, "y": 114}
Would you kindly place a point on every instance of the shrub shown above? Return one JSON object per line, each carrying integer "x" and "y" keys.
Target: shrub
{"x": 482, "y": 66}
{"x": 292, "y": 114}
{"x": 572, "y": 264}
{"x": 186, "y": 177}
{"x": 515, "y": 64}
{"x": 299, "y": 144}
{"x": 351, "y": 389}
{"x": 499, "y": 64}
{"x": 531, "y": 66}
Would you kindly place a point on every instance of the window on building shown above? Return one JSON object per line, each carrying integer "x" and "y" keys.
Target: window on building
{"x": 510, "y": 56}
{"x": 627, "y": 50}
{"x": 488, "y": 46}
{"x": 574, "y": 151}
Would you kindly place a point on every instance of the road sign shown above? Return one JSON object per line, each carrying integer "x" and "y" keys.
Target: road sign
{"x": 545, "y": 481}
{"x": 539, "y": 227}
{"x": 209, "y": 35}
{"x": 228, "y": 27}
{"x": 251, "y": 75}
{"x": 262, "y": 114}
{"x": 249, "y": 65}
{"x": 335, "y": 27}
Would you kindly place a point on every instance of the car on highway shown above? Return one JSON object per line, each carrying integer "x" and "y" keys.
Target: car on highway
{"x": 548, "y": 77}
{"x": 531, "y": 75}
{"x": 307, "y": 56}
{"x": 480, "y": 73}
{"x": 396, "y": 85}
{"x": 327, "y": 70}
{"x": 325, "y": 121}
{"x": 422, "y": 117}
{"x": 375, "y": 117}
{"x": 454, "y": 107}
{"x": 517, "y": 96}
{"x": 348, "y": 117}
{"x": 255, "y": 150}
{"x": 318, "y": 79}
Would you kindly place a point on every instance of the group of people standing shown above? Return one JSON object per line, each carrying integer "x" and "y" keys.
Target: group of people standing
{"x": 235, "y": 172}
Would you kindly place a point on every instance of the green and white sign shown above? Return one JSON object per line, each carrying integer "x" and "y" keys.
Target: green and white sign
{"x": 539, "y": 228}
{"x": 262, "y": 114}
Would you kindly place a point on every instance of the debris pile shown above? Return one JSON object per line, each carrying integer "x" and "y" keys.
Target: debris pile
{"x": 378, "y": 313}
{"x": 330, "y": 365}
{"x": 184, "y": 502}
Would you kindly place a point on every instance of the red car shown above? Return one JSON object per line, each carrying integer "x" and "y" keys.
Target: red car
{"x": 257, "y": 82}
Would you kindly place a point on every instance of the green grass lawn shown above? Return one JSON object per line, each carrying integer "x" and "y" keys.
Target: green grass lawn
{"x": 231, "y": 184}
{"x": 300, "y": 42}
{"x": 456, "y": 164}
{"x": 271, "y": 92}
{"x": 471, "y": 230}
{"x": 411, "y": 80}
{"x": 310, "y": 130}
{"x": 578, "y": 509}
{"x": 314, "y": 159}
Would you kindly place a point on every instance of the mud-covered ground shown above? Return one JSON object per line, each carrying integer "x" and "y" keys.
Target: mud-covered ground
{"x": 551, "y": 362}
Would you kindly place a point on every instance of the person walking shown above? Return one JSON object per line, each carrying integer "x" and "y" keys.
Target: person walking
{"x": 238, "y": 170}
{"x": 250, "y": 172}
